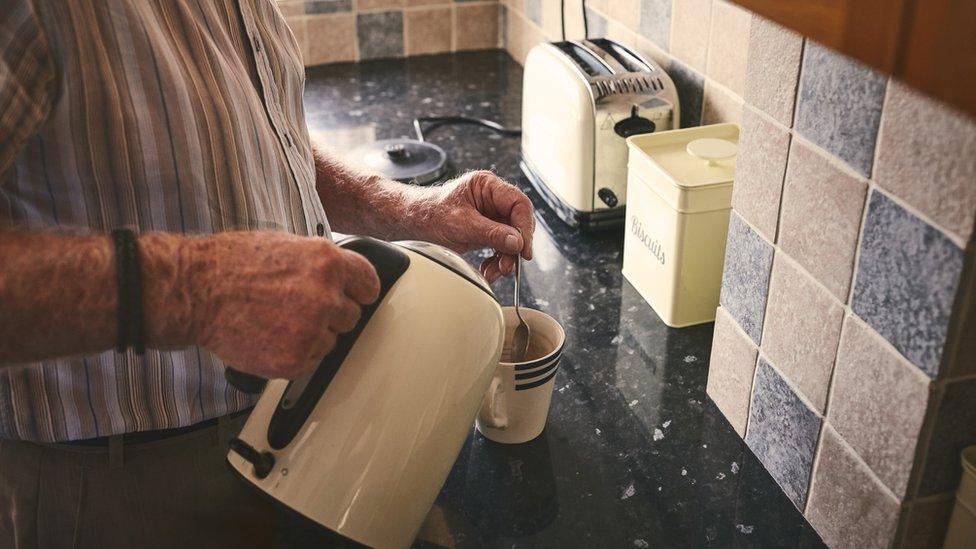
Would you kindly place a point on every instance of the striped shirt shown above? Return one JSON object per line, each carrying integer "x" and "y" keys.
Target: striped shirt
{"x": 183, "y": 116}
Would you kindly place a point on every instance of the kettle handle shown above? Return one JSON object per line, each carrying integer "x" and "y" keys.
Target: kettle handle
{"x": 245, "y": 383}
{"x": 496, "y": 416}
{"x": 389, "y": 267}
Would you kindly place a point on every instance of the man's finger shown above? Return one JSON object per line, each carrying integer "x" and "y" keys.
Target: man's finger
{"x": 516, "y": 209}
{"x": 506, "y": 264}
{"x": 503, "y": 238}
{"x": 346, "y": 318}
{"x": 362, "y": 284}
{"x": 489, "y": 268}
{"x": 521, "y": 218}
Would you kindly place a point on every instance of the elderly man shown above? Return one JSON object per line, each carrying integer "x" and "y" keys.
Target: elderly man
{"x": 181, "y": 120}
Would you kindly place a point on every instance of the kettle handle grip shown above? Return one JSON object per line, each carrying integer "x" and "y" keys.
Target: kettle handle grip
{"x": 495, "y": 417}
{"x": 245, "y": 383}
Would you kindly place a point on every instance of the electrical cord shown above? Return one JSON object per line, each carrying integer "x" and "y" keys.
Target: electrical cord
{"x": 436, "y": 121}
{"x": 586, "y": 27}
{"x": 562, "y": 17}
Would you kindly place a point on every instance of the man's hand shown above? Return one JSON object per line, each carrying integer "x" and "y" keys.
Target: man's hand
{"x": 272, "y": 304}
{"x": 480, "y": 210}
{"x": 476, "y": 210}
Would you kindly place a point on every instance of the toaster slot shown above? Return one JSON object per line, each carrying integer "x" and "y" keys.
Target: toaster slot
{"x": 584, "y": 59}
{"x": 628, "y": 59}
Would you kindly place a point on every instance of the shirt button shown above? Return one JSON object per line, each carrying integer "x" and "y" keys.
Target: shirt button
{"x": 320, "y": 229}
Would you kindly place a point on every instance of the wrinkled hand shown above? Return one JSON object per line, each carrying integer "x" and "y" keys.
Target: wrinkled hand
{"x": 272, "y": 304}
{"x": 480, "y": 210}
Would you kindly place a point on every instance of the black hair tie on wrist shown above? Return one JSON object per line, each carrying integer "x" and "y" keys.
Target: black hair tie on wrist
{"x": 130, "y": 314}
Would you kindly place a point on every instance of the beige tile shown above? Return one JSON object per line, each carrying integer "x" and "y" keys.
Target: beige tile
{"x": 926, "y": 157}
{"x": 728, "y": 46}
{"x": 522, "y": 36}
{"x": 291, "y": 8}
{"x": 720, "y": 105}
{"x": 626, "y": 12}
{"x": 802, "y": 328}
{"x": 878, "y": 403}
{"x": 730, "y": 371}
{"x": 620, "y": 33}
{"x": 331, "y": 38}
{"x": 366, "y": 5}
{"x": 475, "y": 27}
{"x": 428, "y": 30}
{"x": 517, "y": 5}
{"x": 650, "y": 51}
{"x": 690, "y": 20}
{"x": 412, "y": 3}
{"x": 848, "y": 506}
{"x": 298, "y": 27}
{"x": 601, "y": 5}
{"x": 551, "y": 22}
{"x": 759, "y": 170}
{"x": 821, "y": 217}
{"x": 772, "y": 69}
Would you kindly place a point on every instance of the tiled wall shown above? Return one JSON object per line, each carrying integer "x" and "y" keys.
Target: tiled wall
{"x": 845, "y": 344}
{"x": 332, "y": 31}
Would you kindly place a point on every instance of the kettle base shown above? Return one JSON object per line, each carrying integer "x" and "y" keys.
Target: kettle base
{"x": 595, "y": 221}
{"x": 297, "y": 530}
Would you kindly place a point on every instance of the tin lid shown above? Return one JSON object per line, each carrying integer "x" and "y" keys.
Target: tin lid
{"x": 692, "y": 157}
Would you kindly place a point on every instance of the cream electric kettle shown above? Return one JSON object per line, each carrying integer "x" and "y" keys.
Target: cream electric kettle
{"x": 363, "y": 445}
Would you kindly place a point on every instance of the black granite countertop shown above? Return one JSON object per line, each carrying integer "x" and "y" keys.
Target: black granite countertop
{"x": 634, "y": 454}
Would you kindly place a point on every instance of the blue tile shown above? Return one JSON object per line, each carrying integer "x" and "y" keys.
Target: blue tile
{"x": 907, "y": 276}
{"x": 839, "y": 105}
{"x": 691, "y": 90}
{"x": 745, "y": 281}
{"x": 380, "y": 34}
{"x": 782, "y": 432}
{"x": 533, "y": 8}
{"x": 596, "y": 24}
{"x": 655, "y": 21}
{"x": 955, "y": 429}
{"x": 327, "y": 6}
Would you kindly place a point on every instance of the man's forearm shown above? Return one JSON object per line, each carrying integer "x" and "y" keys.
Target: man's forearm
{"x": 58, "y": 294}
{"x": 358, "y": 202}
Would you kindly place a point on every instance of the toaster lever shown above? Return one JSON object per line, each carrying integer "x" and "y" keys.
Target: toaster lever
{"x": 633, "y": 125}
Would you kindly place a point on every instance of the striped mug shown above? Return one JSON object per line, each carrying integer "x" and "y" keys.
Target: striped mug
{"x": 517, "y": 402}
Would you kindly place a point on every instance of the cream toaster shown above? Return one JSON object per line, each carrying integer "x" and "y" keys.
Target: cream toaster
{"x": 580, "y": 102}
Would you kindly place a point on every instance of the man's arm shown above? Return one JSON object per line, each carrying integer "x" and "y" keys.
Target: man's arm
{"x": 476, "y": 210}
{"x": 359, "y": 202}
{"x": 58, "y": 295}
{"x": 267, "y": 303}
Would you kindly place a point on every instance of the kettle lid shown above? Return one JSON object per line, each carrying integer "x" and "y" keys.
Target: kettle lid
{"x": 448, "y": 259}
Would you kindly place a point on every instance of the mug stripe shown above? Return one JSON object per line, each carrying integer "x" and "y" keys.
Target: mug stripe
{"x": 535, "y": 384}
{"x": 536, "y": 363}
{"x": 537, "y": 373}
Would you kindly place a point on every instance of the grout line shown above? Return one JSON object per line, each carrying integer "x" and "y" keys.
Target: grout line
{"x": 799, "y": 73}
{"x": 924, "y": 443}
{"x": 818, "y": 449}
{"x": 782, "y": 189}
{"x": 877, "y": 136}
{"x": 789, "y": 383}
{"x": 871, "y": 474}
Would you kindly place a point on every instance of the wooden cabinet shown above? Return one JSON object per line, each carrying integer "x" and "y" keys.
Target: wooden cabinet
{"x": 930, "y": 44}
